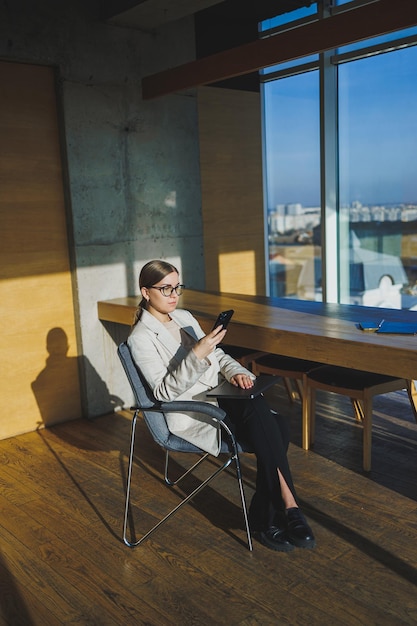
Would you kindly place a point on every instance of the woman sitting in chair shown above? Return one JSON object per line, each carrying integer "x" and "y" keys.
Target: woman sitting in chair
{"x": 181, "y": 362}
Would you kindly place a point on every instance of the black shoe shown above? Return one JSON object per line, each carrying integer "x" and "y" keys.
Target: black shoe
{"x": 298, "y": 530}
{"x": 275, "y": 538}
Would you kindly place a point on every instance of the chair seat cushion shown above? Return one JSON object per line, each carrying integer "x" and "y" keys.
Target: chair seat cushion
{"x": 167, "y": 440}
{"x": 287, "y": 363}
{"x": 236, "y": 351}
{"x": 348, "y": 378}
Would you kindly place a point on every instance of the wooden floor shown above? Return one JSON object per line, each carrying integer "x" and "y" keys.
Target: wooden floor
{"x": 62, "y": 560}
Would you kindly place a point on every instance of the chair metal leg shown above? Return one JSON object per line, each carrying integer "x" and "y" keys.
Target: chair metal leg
{"x": 172, "y": 483}
{"x": 234, "y": 457}
{"x": 129, "y": 478}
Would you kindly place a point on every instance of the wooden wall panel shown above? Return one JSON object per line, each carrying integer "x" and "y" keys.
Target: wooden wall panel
{"x": 39, "y": 382}
{"x": 232, "y": 197}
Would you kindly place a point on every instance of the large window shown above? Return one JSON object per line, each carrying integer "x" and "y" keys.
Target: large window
{"x": 292, "y": 175}
{"x": 378, "y": 178}
{"x": 369, "y": 209}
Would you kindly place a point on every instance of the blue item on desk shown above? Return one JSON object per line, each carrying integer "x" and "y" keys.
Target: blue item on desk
{"x": 398, "y": 328}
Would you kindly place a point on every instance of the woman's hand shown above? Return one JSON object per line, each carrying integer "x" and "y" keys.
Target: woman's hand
{"x": 207, "y": 344}
{"x": 242, "y": 380}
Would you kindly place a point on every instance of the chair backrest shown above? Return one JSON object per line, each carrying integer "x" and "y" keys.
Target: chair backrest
{"x": 143, "y": 395}
{"x": 144, "y": 398}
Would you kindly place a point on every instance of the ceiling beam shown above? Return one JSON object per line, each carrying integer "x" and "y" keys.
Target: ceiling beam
{"x": 149, "y": 14}
{"x": 378, "y": 18}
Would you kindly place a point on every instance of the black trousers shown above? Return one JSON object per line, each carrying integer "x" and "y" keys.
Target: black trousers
{"x": 267, "y": 434}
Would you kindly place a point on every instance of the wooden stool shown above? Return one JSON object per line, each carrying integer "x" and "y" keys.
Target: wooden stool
{"x": 245, "y": 356}
{"x": 357, "y": 385}
{"x": 289, "y": 368}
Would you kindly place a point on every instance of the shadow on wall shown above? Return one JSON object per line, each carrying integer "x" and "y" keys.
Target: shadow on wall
{"x": 57, "y": 387}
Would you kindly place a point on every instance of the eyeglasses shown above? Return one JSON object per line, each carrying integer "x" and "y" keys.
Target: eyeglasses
{"x": 167, "y": 290}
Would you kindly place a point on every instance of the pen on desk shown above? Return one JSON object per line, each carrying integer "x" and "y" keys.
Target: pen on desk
{"x": 380, "y": 323}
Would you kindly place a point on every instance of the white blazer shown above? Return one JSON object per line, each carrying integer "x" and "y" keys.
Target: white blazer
{"x": 175, "y": 374}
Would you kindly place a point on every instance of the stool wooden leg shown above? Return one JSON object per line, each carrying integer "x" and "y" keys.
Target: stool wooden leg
{"x": 312, "y": 415}
{"x": 299, "y": 386}
{"x": 288, "y": 387}
{"x": 367, "y": 433}
{"x": 412, "y": 394}
{"x": 308, "y": 410}
{"x": 357, "y": 408}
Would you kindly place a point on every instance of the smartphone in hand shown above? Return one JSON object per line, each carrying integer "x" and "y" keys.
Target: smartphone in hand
{"x": 223, "y": 319}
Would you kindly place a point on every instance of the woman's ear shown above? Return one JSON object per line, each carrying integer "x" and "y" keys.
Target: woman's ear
{"x": 145, "y": 293}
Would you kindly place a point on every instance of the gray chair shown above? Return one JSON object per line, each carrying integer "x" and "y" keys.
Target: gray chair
{"x": 153, "y": 414}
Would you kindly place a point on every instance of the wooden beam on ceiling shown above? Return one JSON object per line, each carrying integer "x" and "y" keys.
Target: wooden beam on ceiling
{"x": 378, "y": 18}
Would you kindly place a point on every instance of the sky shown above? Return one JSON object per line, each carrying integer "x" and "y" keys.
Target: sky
{"x": 377, "y": 133}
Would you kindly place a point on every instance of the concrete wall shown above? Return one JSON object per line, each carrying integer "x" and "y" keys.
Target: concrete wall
{"x": 132, "y": 166}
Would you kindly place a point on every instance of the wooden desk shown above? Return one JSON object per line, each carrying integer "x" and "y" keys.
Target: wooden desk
{"x": 326, "y": 333}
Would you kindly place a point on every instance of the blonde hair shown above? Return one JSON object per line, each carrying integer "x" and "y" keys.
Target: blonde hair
{"x": 150, "y": 274}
